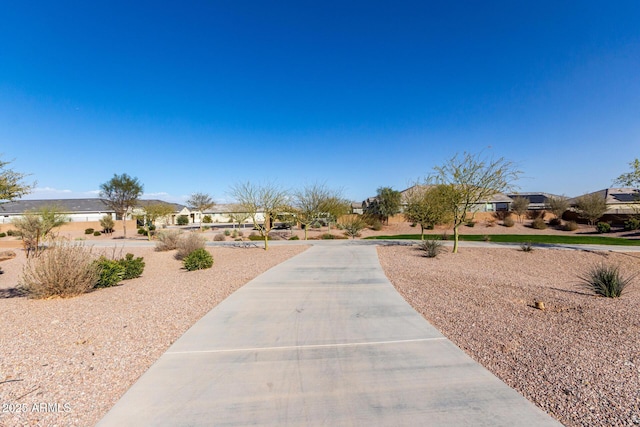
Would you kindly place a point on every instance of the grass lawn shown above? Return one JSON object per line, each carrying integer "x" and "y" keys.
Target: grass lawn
{"x": 520, "y": 238}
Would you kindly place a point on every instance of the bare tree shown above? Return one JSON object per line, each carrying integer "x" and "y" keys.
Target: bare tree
{"x": 121, "y": 194}
{"x": 520, "y": 206}
{"x": 591, "y": 207}
{"x": 200, "y": 202}
{"x": 12, "y": 185}
{"x": 471, "y": 180}
{"x": 268, "y": 200}
{"x": 238, "y": 216}
{"x": 315, "y": 201}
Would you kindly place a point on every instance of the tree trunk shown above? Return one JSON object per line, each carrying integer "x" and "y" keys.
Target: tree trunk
{"x": 124, "y": 225}
{"x": 455, "y": 238}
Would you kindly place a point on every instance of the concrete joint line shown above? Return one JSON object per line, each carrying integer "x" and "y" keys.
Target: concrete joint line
{"x": 303, "y": 347}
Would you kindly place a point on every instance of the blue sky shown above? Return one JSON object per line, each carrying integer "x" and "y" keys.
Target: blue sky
{"x": 197, "y": 96}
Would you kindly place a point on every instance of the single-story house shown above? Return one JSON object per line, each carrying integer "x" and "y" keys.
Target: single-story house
{"x": 537, "y": 201}
{"x": 622, "y": 203}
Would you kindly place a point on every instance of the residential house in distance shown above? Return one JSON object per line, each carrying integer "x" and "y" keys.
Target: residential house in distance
{"x": 537, "y": 201}
{"x": 622, "y": 203}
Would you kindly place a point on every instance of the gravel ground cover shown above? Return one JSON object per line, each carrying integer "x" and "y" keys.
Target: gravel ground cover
{"x": 579, "y": 359}
{"x": 65, "y": 362}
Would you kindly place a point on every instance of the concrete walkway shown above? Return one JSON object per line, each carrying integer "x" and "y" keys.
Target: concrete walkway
{"x": 321, "y": 339}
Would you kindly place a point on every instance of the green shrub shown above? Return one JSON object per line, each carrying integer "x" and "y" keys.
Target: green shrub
{"x": 133, "y": 267}
{"x": 294, "y": 238}
{"x": 329, "y": 236}
{"x": 470, "y": 224}
{"x": 63, "y": 270}
{"x": 182, "y": 220}
{"x": 444, "y": 236}
{"x": 142, "y": 231}
{"x": 605, "y": 280}
{"x": 486, "y": 238}
{"x": 198, "y": 260}
{"x": 189, "y": 243}
{"x": 227, "y": 232}
{"x": 88, "y": 231}
{"x": 110, "y": 272}
{"x": 508, "y": 222}
{"x": 12, "y": 233}
{"x": 3, "y": 235}
{"x": 240, "y": 233}
{"x": 219, "y": 237}
{"x": 538, "y": 224}
{"x": 234, "y": 234}
{"x": 97, "y": 233}
{"x": 431, "y": 248}
{"x": 168, "y": 240}
{"x": 238, "y": 239}
{"x": 603, "y": 227}
{"x": 207, "y": 219}
{"x": 632, "y": 224}
{"x": 570, "y": 226}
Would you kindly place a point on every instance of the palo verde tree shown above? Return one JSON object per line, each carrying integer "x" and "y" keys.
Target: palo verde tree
{"x": 151, "y": 212}
{"x": 427, "y": 206}
{"x": 316, "y": 201}
{"x": 630, "y": 179}
{"x": 520, "y": 206}
{"x": 591, "y": 207}
{"x": 38, "y": 225}
{"x": 12, "y": 185}
{"x": 121, "y": 193}
{"x": 558, "y": 206}
{"x": 200, "y": 202}
{"x": 237, "y": 215}
{"x": 470, "y": 181}
{"x": 265, "y": 200}
{"x": 386, "y": 204}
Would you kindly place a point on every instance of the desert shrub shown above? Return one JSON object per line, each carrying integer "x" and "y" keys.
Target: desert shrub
{"x": 219, "y": 237}
{"x": 603, "y": 227}
{"x": 486, "y": 238}
{"x": 207, "y": 219}
{"x": 538, "y": 224}
{"x": 491, "y": 222}
{"x": 88, "y": 231}
{"x": 470, "y": 224}
{"x": 570, "y": 226}
{"x": 535, "y": 214}
{"x": 526, "y": 247}
{"x": 189, "y": 243}
{"x": 555, "y": 222}
{"x": 605, "y": 280}
{"x": 182, "y": 220}
{"x": 110, "y": 272}
{"x": 431, "y": 248}
{"x": 508, "y": 222}
{"x": 238, "y": 239}
{"x": 376, "y": 225}
{"x": 444, "y": 236}
{"x": 107, "y": 224}
{"x": 12, "y": 233}
{"x": 97, "y": 233}
{"x": 632, "y": 224}
{"x": 168, "y": 240}
{"x": 227, "y": 233}
{"x": 64, "y": 270}
{"x": 329, "y": 236}
{"x": 234, "y": 233}
{"x": 133, "y": 267}
{"x": 240, "y": 233}
{"x": 142, "y": 231}
{"x": 255, "y": 236}
{"x": 3, "y": 235}
{"x": 294, "y": 238}
{"x": 199, "y": 259}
